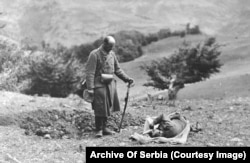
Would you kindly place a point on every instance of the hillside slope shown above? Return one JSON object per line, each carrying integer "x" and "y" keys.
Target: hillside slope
{"x": 80, "y": 21}
{"x": 77, "y": 21}
{"x": 232, "y": 79}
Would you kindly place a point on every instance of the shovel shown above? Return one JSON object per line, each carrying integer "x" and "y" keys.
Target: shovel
{"x": 125, "y": 106}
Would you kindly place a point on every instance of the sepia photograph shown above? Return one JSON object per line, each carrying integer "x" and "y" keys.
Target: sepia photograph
{"x": 123, "y": 73}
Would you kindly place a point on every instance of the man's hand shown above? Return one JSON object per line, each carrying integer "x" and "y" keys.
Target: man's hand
{"x": 131, "y": 81}
{"x": 88, "y": 95}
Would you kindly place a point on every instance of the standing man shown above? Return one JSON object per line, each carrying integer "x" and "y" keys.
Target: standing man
{"x": 101, "y": 67}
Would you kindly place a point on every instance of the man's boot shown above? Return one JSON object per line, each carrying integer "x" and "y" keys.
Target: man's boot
{"x": 105, "y": 130}
{"x": 99, "y": 126}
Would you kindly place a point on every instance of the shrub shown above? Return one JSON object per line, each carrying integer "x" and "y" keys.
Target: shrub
{"x": 13, "y": 66}
{"x": 152, "y": 37}
{"x": 164, "y": 33}
{"x": 15, "y": 79}
{"x": 190, "y": 64}
{"x": 57, "y": 74}
{"x": 180, "y": 33}
{"x": 82, "y": 51}
{"x": 128, "y": 45}
{"x": 128, "y": 51}
{"x": 53, "y": 71}
{"x": 194, "y": 30}
{"x": 6, "y": 55}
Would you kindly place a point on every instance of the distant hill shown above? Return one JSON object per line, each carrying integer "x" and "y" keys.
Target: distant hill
{"x": 79, "y": 21}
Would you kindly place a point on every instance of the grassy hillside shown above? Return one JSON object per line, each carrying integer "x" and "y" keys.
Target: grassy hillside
{"x": 220, "y": 88}
{"x": 163, "y": 48}
{"x": 77, "y": 21}
{"x": 232, "y": 79}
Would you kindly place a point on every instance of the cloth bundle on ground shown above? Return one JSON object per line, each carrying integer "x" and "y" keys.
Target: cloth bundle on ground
{"x": 172, "y": 128}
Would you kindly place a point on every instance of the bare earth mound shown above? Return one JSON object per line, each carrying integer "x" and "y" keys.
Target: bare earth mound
{"x": 76, "y": 124}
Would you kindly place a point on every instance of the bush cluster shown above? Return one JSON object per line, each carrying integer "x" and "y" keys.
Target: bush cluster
{"x": 128, "y": 46}
{"x": 129, "y": 43}
{"x": 58, "y": 71}
{"x": 55, "y": 72}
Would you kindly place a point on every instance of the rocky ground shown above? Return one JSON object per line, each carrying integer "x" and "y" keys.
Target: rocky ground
{"x": 75, "y": 124}
{"x": 44, "y": 129}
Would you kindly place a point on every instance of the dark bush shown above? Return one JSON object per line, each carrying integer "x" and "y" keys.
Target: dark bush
{"x": 163, "y": 33}
{"x": 128, "y": 45}
{"x": 56, "y": 74}
{"x": 82, "y": 51}
{"x": 189, "y": 64}
{"x": 194, "y": 30}
{"x": 180, "y": 33}
{"x": 152, "y": 37}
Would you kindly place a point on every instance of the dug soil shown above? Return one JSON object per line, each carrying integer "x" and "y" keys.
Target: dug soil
{"x": 76, "y": 124}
